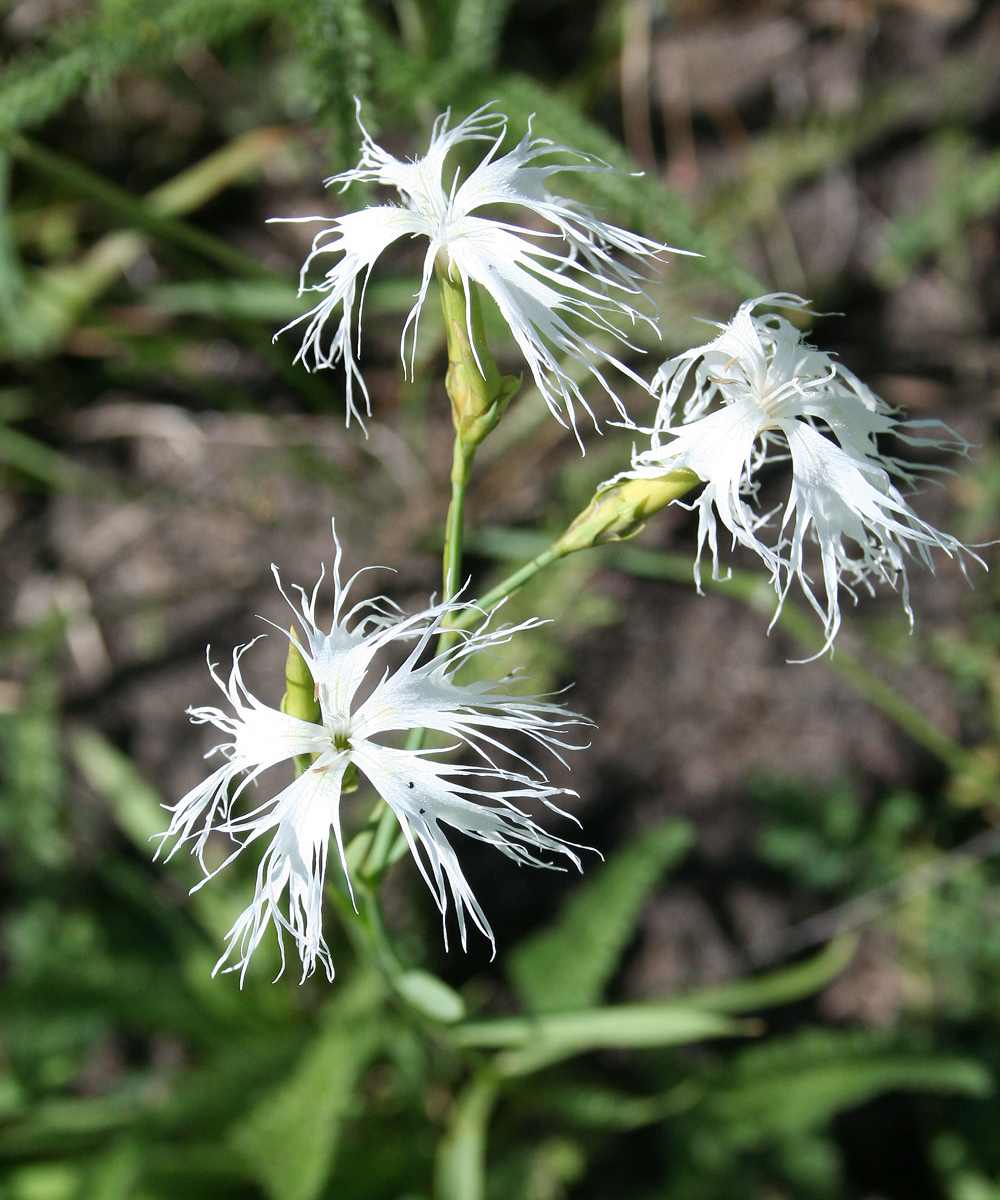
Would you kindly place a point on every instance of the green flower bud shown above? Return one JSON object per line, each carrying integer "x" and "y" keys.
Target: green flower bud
{"x": 620, "y": 510}
{"x": 300, "y": 698}
{"x": 479, "y": 394}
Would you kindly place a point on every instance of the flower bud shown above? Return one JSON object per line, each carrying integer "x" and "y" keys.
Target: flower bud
{"x": 620, "y": 510}
{"x": 479, "y": 394}
{"x": 300, "y": 700}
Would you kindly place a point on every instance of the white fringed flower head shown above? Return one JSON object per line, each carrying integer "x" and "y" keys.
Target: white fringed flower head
{"x": 542, "y": 287}
{"x": 760, "y": 393}
{"x": 425, "y": 790}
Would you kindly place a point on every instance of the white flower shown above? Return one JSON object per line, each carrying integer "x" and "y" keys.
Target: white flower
{"x": 424, "y": 790}
{"x": 761, "y": 394}
{"x": 539, "y": 287}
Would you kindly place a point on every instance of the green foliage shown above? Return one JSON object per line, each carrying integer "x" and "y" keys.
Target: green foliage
{"x": 952, "y": 945}
{"x": 121, "y": 34}
{"x": 788, "y": 1086}
{"x": 763, "y": 1119}
{"x": 828, "y": 843}
{"x": 336, "y": 44}
{"x": 476, "y": 37}
{"x": 11, "y": 277}
{"x": 289, "y": 1138}
{"x": 781, "y": 986}
{"x": 430, "y": 996}
{"x": 532, "y": 1043}
{"x": 569, "y": 964}
{"x": 40, "y": 464}
{"x": 32, "y": 766}
{"x": 968, "y": 188}
{"x": 126, "y": 1070}
{"x": 460, "y": 1168}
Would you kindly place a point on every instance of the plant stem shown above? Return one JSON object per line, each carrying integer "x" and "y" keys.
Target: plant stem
{"x": 507, "y": 587}
{"x": 460, "y": 1166}
{"x": 478, "y": 395}
{"x": 380, "y": 854}
{"x": 461, "y": 469}
{"x": 381, "y": 851}
{"x": 756, "y": 592}
{"x": 378, "y": 937}
{"x": 385, "y": 835}
{"x": 617, "y": 512}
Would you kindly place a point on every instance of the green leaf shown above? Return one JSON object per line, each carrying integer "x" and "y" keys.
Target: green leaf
{"x": 549, "y": 971}
{"x": 31, "y": 769}
{"x": 336, "y": 67}
{"x": 593, "y": 1106}
{"x": 460, "y": 1166}
{"x": 621, "y": 1025}
{"x": 114, "y": 1174}
{"x": 137, "y": 807}
{"x": 289, "y": 1139}
{"x": 536, "y": 1042}
{"x": 790, "y": 1086}
{"x": 91, "y": 51}
{"x": 430, "y": 996}
{"x": 476, "y": 33}
{"x": 40, "y": 462}
{"x": 778, "y": 987}
{"x": 139, "y": 811}
{"x": 59, "y": 295}
{"x": 11, "y": 275}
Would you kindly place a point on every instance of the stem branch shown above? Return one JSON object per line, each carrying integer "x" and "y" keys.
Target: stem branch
{"x": 507, "y": 587}
{"x": 461, "y": 469}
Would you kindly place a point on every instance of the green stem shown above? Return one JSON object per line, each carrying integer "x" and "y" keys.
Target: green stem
{"x": 385, "y": 835}
{"x": 617, "y": 512}
{"x": 377, "y": 934}
{"x": 478, "y": 395}
{"x": 756, "y": 592}
{"x": 507, "y": 587}
{"x": 460, "y": 1164}
{"x": 461, "y": 469}
{"x": 384, "y": 841}
{"x": 387, "y": 829}
{"x": 365, "y": 927}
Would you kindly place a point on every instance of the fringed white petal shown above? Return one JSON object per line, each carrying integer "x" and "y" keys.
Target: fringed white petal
{"x": 361, "y": 237}
{"x": 554, "y": 288}
{"x": 864, "y": 527}
{"x": 261, "y": 738}
{"x": 425, "y": 791}
{"x": 292, "y": 874}
{"x": 757, "y": 393}
{"x": 426, "y": 794}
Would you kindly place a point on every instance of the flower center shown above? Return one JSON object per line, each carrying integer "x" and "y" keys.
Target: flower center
{"x": 339, "y": 728}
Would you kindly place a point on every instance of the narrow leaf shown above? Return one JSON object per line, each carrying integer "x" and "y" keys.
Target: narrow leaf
{"x": 569, "y": 964}
{"x": 790, "y": 1086}
{"x": 536, "y": 1042}
{"x": 289, "y": 1139}
{"x": 430, "y": 996}
{"x": 460, "y": 1167}
{"x": 139, "y": 811}
{"x": 778, "y": 987}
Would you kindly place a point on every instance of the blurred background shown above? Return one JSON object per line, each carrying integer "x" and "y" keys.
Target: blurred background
{"x": 158, "y": 452}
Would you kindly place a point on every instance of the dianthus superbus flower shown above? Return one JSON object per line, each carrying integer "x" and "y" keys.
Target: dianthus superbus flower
{"x": 543, "y": 282}
{"x": 759, "y": 393}
{"x": 425, "y": 790}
